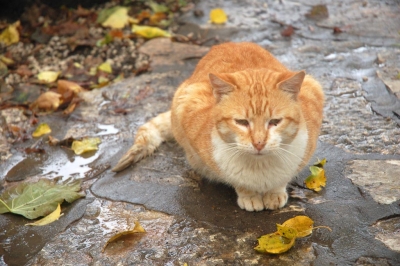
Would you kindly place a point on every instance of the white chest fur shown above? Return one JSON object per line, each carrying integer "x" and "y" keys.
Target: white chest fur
{"x": 259, "y": 173}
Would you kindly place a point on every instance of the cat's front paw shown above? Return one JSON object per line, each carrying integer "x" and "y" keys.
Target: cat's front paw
{"x": 275, "y": 200}
{"x": 251, "y": 203}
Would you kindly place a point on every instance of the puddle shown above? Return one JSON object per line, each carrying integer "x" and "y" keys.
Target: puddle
{"x": 56, "y": 163}
{"x": 77, "y": 167}
{"x": 106, "y": 130}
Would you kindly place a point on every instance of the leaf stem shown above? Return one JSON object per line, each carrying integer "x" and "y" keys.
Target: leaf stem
{"x": 5, "y": 205}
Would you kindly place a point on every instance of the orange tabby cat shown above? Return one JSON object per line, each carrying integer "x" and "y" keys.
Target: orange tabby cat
{"x": 243, "y": 119}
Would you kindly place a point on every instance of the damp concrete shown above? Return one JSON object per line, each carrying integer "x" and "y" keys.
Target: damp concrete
{"x": 191, "y": 220}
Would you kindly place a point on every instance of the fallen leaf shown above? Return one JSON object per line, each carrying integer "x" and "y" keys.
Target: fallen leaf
{"x": 105, "y": 67}
{"x": 320, "y": 163}
{"x": 52, "y": 217}
{"x": 48, "y": 101}
{"x": 24, "y": 71}
{"x": 274, "y": 243}
{"x": 6, "y": 60}
{"x": 33, "y": 200}
{"x": 137, "y": 229}
{"x": 68, "y": 90}
{"x": 317, "y": 179}
{"x": 41, "y": 129}
{"x": 318, "y": 12}
{"x": 284, "y": 238}
{"x": 149, "y": 32}
{"x": 10, "y": 35}
{"x": 286, "y": 231}
{"x": 85, "y": 145}
{"x": 117, "y": 19}
{"x": 218, "y": 16}
{"x": 3, "y": 69}
{"x": 157, "y": 7}
{"x": 156, "y": 18}
{"x": 48, "y": 76}
{"x": 302, "y": 224}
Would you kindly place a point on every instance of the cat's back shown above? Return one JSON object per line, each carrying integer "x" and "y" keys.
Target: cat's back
{"x": 233, "y": 57}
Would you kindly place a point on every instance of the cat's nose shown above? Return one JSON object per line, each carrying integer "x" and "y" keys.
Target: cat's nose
{"x": 259, "y": 145}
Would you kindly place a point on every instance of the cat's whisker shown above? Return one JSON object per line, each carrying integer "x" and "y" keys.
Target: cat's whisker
{"x": 291, "y": 153}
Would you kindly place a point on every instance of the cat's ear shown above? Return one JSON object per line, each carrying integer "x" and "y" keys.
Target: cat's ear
{"x": 293, "y": 83}
{"x": 220, "y": 87}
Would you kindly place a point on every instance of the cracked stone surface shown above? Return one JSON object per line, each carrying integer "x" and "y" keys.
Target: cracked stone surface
{"x": 190, "y": 220}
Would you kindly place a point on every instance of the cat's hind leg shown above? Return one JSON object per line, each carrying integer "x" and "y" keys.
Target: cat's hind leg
{"x": 275, "y": 199}
{"x": 249, "y": 200}
{"x": 147, "y": 140}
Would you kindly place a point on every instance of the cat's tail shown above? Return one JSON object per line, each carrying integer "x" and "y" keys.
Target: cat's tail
{"x": 147, "y": 140}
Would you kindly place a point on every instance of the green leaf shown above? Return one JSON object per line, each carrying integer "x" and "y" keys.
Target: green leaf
{"x": 34, "y": 200}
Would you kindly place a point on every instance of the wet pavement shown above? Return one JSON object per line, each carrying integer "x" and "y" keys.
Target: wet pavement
{"x": 190, "y": 220}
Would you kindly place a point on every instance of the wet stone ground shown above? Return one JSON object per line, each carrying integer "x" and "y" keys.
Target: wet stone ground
{"x": 189, "y": 220}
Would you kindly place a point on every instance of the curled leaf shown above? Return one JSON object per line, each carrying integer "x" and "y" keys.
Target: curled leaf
{"x": 286, "y": 231}
{"x": 52, "y": 217}
{"x": 218, "y": 16}
{"x": 41, "y": 129}
{"x": 137, "y": 229}
{"x": 302, "y": 224}
{"x": 48, "y": 76}
{"x": 320, "y": 163}
{"x": 85, "y": 145}
{"x": 48, "y": 101}
{"x": 274, "y": 243}
{"x": 317, "y": 179}
{"x": 10, "y": 35}
{"x": 68, "y": 90}
{"x": 149, "y": 32}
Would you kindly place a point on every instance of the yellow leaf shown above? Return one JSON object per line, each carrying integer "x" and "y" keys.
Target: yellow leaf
{"x": 42, "y": 129}
{"x": 320, "y": 163}
{"x": 274, "y": 243}
{"x": 118, "y": 19}
{"x": 49, "y": 218}
{"x": 105, "y": 67}
{"x": 317, "y": 179}
{"x": 137, "y": 229}
{"x": 48, "y": 76}
{"x": 6, "y": 60}
{"x": 286, "y": 231}
{"x": 10, "y": 35}
{"x": 302, "y": 224}
{"x": 85, "y": 145}
{"x": 218, "y": 16}
{"x": 149, "y": 32}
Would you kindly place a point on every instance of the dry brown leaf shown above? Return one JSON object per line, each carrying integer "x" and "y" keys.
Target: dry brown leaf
{"x": 68, "y": 90}
{"x": 48, "y": 101}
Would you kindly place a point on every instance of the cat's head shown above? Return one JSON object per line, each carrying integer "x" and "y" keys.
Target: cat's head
{"x": 257, "y": 111}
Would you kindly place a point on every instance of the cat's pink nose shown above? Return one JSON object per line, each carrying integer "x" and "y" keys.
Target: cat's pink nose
{"x": 259, "y": 145}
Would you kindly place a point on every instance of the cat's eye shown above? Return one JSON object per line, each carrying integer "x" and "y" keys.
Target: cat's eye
{"x": 242, "y": 122}
{"x": 274, "y": 122}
